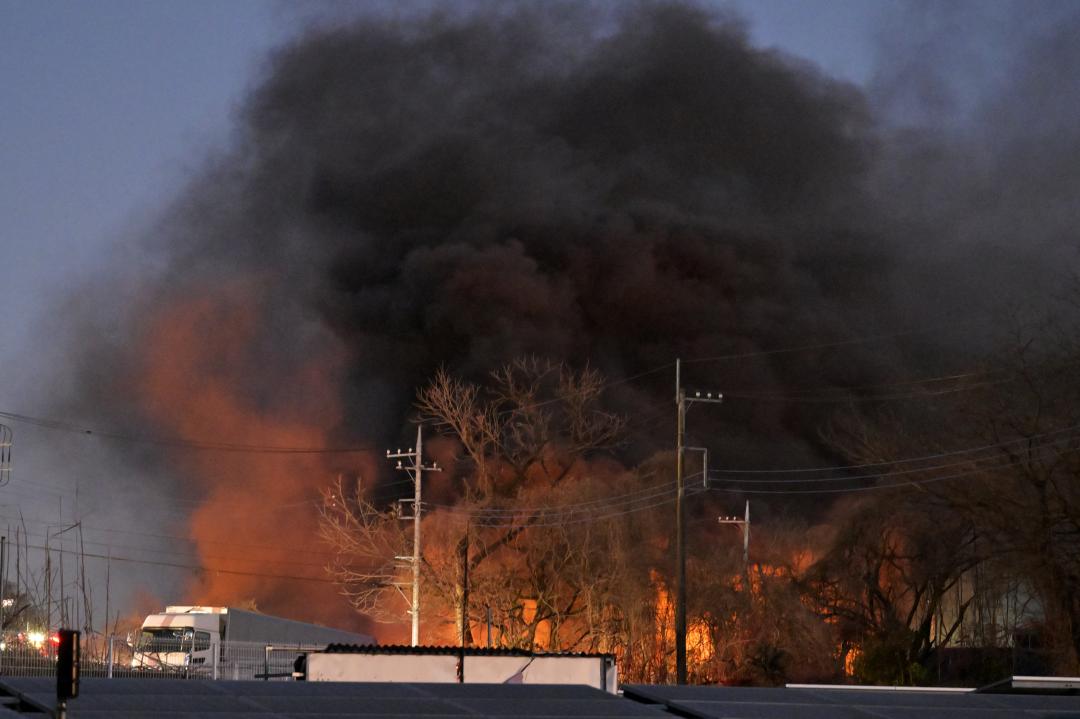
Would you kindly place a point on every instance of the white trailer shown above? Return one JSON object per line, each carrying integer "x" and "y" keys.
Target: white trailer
{"x": 230, "y": 642}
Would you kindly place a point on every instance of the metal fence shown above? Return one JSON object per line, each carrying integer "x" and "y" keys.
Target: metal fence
{"x": 116, "y": 657}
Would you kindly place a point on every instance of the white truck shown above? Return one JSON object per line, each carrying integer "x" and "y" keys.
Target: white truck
{"x": 226, "y": 642}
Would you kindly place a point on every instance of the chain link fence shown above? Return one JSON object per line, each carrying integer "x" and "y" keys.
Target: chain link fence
{"x": 117, "y": 657}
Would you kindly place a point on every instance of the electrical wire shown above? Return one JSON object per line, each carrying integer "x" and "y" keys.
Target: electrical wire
{"x": 173, "y": 537}
{"x": 940, "y": 455}
{"x": 900, "y": 383}
{"x": 862, "y": 399}
{"x": 193, "y": 567}
{"x": 866, "y": 339}
{"x": 875, "y": 487}
{"x": 689, "y": 492}
{"x": 601, "y": 510}
{"x": 184, "y": 442}
{"x": 169, "y": 503}
{"x": 179, "y": 553}
{"x": 518, "y": 511}
{"x": 693, "y": 491}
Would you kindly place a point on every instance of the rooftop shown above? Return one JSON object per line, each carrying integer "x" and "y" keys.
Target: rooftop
{"x": 187, "y": 699}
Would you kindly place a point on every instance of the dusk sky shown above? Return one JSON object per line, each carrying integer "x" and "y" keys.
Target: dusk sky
{"x": 108, "y": 110}
{"x": 309, "y": 235}
{"x": 109, "y": 106}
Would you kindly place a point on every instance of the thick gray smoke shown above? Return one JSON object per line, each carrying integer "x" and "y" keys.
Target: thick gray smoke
{"x": 979, "y": 178}
{"x": 618, "y": 187}
{"x": 619, "y": 190}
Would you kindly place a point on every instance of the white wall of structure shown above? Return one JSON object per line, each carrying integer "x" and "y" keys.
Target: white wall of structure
{"x": 598, "y": 672}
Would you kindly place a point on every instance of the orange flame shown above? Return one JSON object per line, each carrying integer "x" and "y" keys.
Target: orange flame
{"x": 257, "y": 518}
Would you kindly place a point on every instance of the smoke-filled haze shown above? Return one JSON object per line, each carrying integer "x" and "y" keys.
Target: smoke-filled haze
{"x": 612, "y": 185}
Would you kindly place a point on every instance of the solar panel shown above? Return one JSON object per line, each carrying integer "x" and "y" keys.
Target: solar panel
{"x": 180, "y": 699}
{"x": 663, "y": 693}
{"x": 761, "y": 710}
{"x": 899, "y": 699}
{"x": 403, "y": 706}
{"x": 853, "y": 703}
{"x": 1022, "y": 702}
{"x": 517, "y": 691}
{"x": 937, "y": 712}
{"x": 562, "y": 708}
{"x": 359, "y": 690}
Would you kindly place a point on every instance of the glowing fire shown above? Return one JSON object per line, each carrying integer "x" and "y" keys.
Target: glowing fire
{"x": 850, "y": 658}
{"x": 699, "y": 645}
{"x": 257, "y": 509}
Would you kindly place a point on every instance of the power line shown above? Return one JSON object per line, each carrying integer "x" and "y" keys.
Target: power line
{"x": 903, "y": 383}
{"x": 866, "y": 339}
{"x": 908, "y": 460}
{"x": 518, "y": 511}
{"x": 744, "y": 355}
{"x": 168, "y": 503}
{"x": 554, "y": 516}
{"x": 864, "y": 398}
{"x": 185, "y": 442}
{"x": 668, "y": 498}
{"x": 246, "y": 545}
{"x": 196, "y": 568}
{"x": 875, "y": 487}
{"x": 185, "y": 554}
{"x": 480, "y": 514}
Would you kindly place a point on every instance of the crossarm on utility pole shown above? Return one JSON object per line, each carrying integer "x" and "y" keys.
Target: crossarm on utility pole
{"x": 681, "y": 402}
{"x": 417, "y": 468}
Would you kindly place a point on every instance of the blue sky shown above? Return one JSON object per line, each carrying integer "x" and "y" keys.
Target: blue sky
{"x": 106, "y": 108}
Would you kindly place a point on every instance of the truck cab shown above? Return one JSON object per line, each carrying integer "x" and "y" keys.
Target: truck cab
{"x": 183, "y": 636}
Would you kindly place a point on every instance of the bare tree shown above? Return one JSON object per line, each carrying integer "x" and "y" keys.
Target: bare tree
{"x": 527, "y": 472}
{"x": 366, "y": 541}
{"x": 893, "y": 562}
{"x": 1026, "y": 501}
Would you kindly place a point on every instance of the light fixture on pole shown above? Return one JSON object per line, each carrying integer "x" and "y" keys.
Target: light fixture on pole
{"x": 745, "y": 524}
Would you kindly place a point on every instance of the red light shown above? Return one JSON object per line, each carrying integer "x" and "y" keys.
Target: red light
{"x": 55, "y": 639}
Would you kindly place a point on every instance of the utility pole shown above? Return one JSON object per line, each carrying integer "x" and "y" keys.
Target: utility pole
{"x": 3, "y": 576}
{"x": 464, "y": 602}
{"x": 682, "y": 402}
{"x": 745, "y": 524}
{"x": 48, "y": 585}
{"x": 417, "y": 468}
{"x": 7, "y": 439}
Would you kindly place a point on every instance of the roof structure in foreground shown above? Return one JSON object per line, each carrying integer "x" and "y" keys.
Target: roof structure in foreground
{"x": 180, "y": 699}
{"x": 821, "y": 702}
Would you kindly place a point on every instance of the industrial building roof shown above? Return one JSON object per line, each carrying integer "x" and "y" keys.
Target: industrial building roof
{"x": 191, "y": 699}
{"x": 188, "y": 699}
{"x": 822, "y": 702}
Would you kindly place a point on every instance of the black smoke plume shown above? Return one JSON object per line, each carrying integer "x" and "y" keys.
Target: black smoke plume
{"x": 459, "y": 191}
{"x": 617, "y": 187}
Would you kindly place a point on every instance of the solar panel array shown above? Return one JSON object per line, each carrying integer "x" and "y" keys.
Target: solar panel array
{"x": 840, "y": 703}
{"x": 179, "y": 699}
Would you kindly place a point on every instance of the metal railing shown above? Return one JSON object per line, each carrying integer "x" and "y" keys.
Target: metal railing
{"x": 117, "y": 657}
